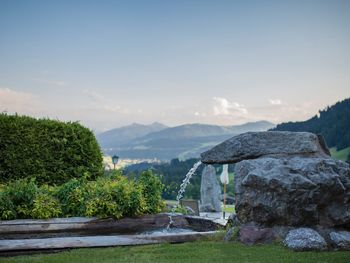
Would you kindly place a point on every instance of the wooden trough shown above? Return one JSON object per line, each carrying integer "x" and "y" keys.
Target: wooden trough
{"x": 18, "y": 236}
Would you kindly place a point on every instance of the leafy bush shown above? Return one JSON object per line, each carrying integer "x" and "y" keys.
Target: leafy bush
{"x": 72, "y": 196}
{"x": 152, "y": 191}
{"x": 45, "y": 206}
{"x": 50, "y": 150}
{"x": 107, "y": 196}
{"x": 114, "y": 197}
{"x": 7, "y": 208}
{"x": 22, "y": 193}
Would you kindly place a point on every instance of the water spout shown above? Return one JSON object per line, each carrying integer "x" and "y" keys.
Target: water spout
{"x": 181, "y": 192}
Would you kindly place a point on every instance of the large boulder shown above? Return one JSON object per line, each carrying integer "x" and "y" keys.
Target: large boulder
{"x": 210, "y": 191}
{"x": 253, "y": 145}
{"x": 302, "y": 239}
{"x": 293, "y": 191}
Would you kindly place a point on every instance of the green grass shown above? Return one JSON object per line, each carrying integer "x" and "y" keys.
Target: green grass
{"x": 340, "y": 155}
{"x": 229, "y": 209}
{"x": 201, "y": 252}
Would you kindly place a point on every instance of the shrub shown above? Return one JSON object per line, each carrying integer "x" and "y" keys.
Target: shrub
{"x": 7, "y": 208}
{"x": 72, "y": 196}
{"x": 114, "y": 196}
{"x": 45, "y": 206}
{"x": 50, "y": 150}
{"x": 152, "y": 189}
{"x": 22, "y": 193}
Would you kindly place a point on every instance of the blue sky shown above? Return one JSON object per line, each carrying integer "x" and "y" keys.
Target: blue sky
{"x": 110, "y": 63}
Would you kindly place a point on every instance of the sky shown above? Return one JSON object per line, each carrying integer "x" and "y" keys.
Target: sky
{"x": 112, "y": 63}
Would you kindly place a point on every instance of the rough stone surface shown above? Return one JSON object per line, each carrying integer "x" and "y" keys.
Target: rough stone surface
{"x": 340, "y": 239}
{"x": 251, "y": 234}
{"x": 302, "y": 239}
{"x": 253, "y": 145}
{"x": 210, "y": 191}
{"x": 296, "y": 191}
{"x": 233, "y": 220}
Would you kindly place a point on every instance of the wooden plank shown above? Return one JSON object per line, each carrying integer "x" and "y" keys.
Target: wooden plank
{"x": 98, "y": 241}
{"x": 69, "y": 242}
{"x": 91, "y": 225}
{"x": 67, "y": 220}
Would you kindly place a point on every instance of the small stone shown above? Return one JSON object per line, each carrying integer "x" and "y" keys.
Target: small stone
{"x": 340, "y": 239}
{"x": 303, "y": 239}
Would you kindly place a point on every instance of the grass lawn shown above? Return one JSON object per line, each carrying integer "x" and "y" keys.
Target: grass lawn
{"x": 200, "y": 251}
{"x": 229, "y": 208}
{"x": 340, "y": 155}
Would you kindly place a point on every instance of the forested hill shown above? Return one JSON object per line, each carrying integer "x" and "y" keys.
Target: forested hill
{"x": 333, "y": 123}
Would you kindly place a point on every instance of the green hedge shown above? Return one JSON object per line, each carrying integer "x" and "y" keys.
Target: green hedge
{"x": 51, "y": 151}
{"x": 114, "y": 196}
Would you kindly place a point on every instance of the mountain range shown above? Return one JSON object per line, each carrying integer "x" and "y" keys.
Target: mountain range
{"x": 137, "y": 141}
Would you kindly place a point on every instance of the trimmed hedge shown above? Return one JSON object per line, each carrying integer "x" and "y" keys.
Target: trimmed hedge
{"x": 51, "y": 151}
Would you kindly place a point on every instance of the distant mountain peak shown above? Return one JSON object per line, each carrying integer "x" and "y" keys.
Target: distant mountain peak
{"x": 158, "y": 124}
{"x": 159, "y": 141}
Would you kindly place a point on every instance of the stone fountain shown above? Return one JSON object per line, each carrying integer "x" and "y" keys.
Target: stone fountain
{"x": 284, "y": 181}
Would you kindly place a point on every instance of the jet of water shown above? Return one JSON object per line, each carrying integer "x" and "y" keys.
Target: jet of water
{"x": 183, "y": 186}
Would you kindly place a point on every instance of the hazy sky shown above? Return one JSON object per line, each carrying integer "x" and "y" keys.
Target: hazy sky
{"x": 111, "y": 63}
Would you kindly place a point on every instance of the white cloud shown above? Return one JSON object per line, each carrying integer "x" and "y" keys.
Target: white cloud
{"x": 224, "y": 107}
{"x": 275, "y": 101}
{"x": 17, "y": 101}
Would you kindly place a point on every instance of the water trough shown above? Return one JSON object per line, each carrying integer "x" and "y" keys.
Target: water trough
{"x": 23, "y": 236}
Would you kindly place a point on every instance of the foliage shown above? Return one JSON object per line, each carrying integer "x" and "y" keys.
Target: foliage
{"x": 22, "y": 193}
{"x": 115, "y": 196}
{"x": 50, "y": 150}
{"x": 333, "y": 123}
{"x": 72, "y": 196}
{"x": 152, "y": 189}
{"x": 190, "y": 252}
{"x": 45, "y": 206}
{"x": 7, "y": 208}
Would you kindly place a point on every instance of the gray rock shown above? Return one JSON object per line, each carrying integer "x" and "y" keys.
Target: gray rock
{"x": 233, "y": 220}
{"x": 294, "y": 191}
{"x": 253, "y": 145}
{"x": 253, "y": 234}
{"x": 302, "y": 239}
{"x": 210, "y": 191}
{"x": 340, "y": 239}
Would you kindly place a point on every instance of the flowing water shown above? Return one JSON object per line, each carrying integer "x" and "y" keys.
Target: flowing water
{"x": 183, "y": 186}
